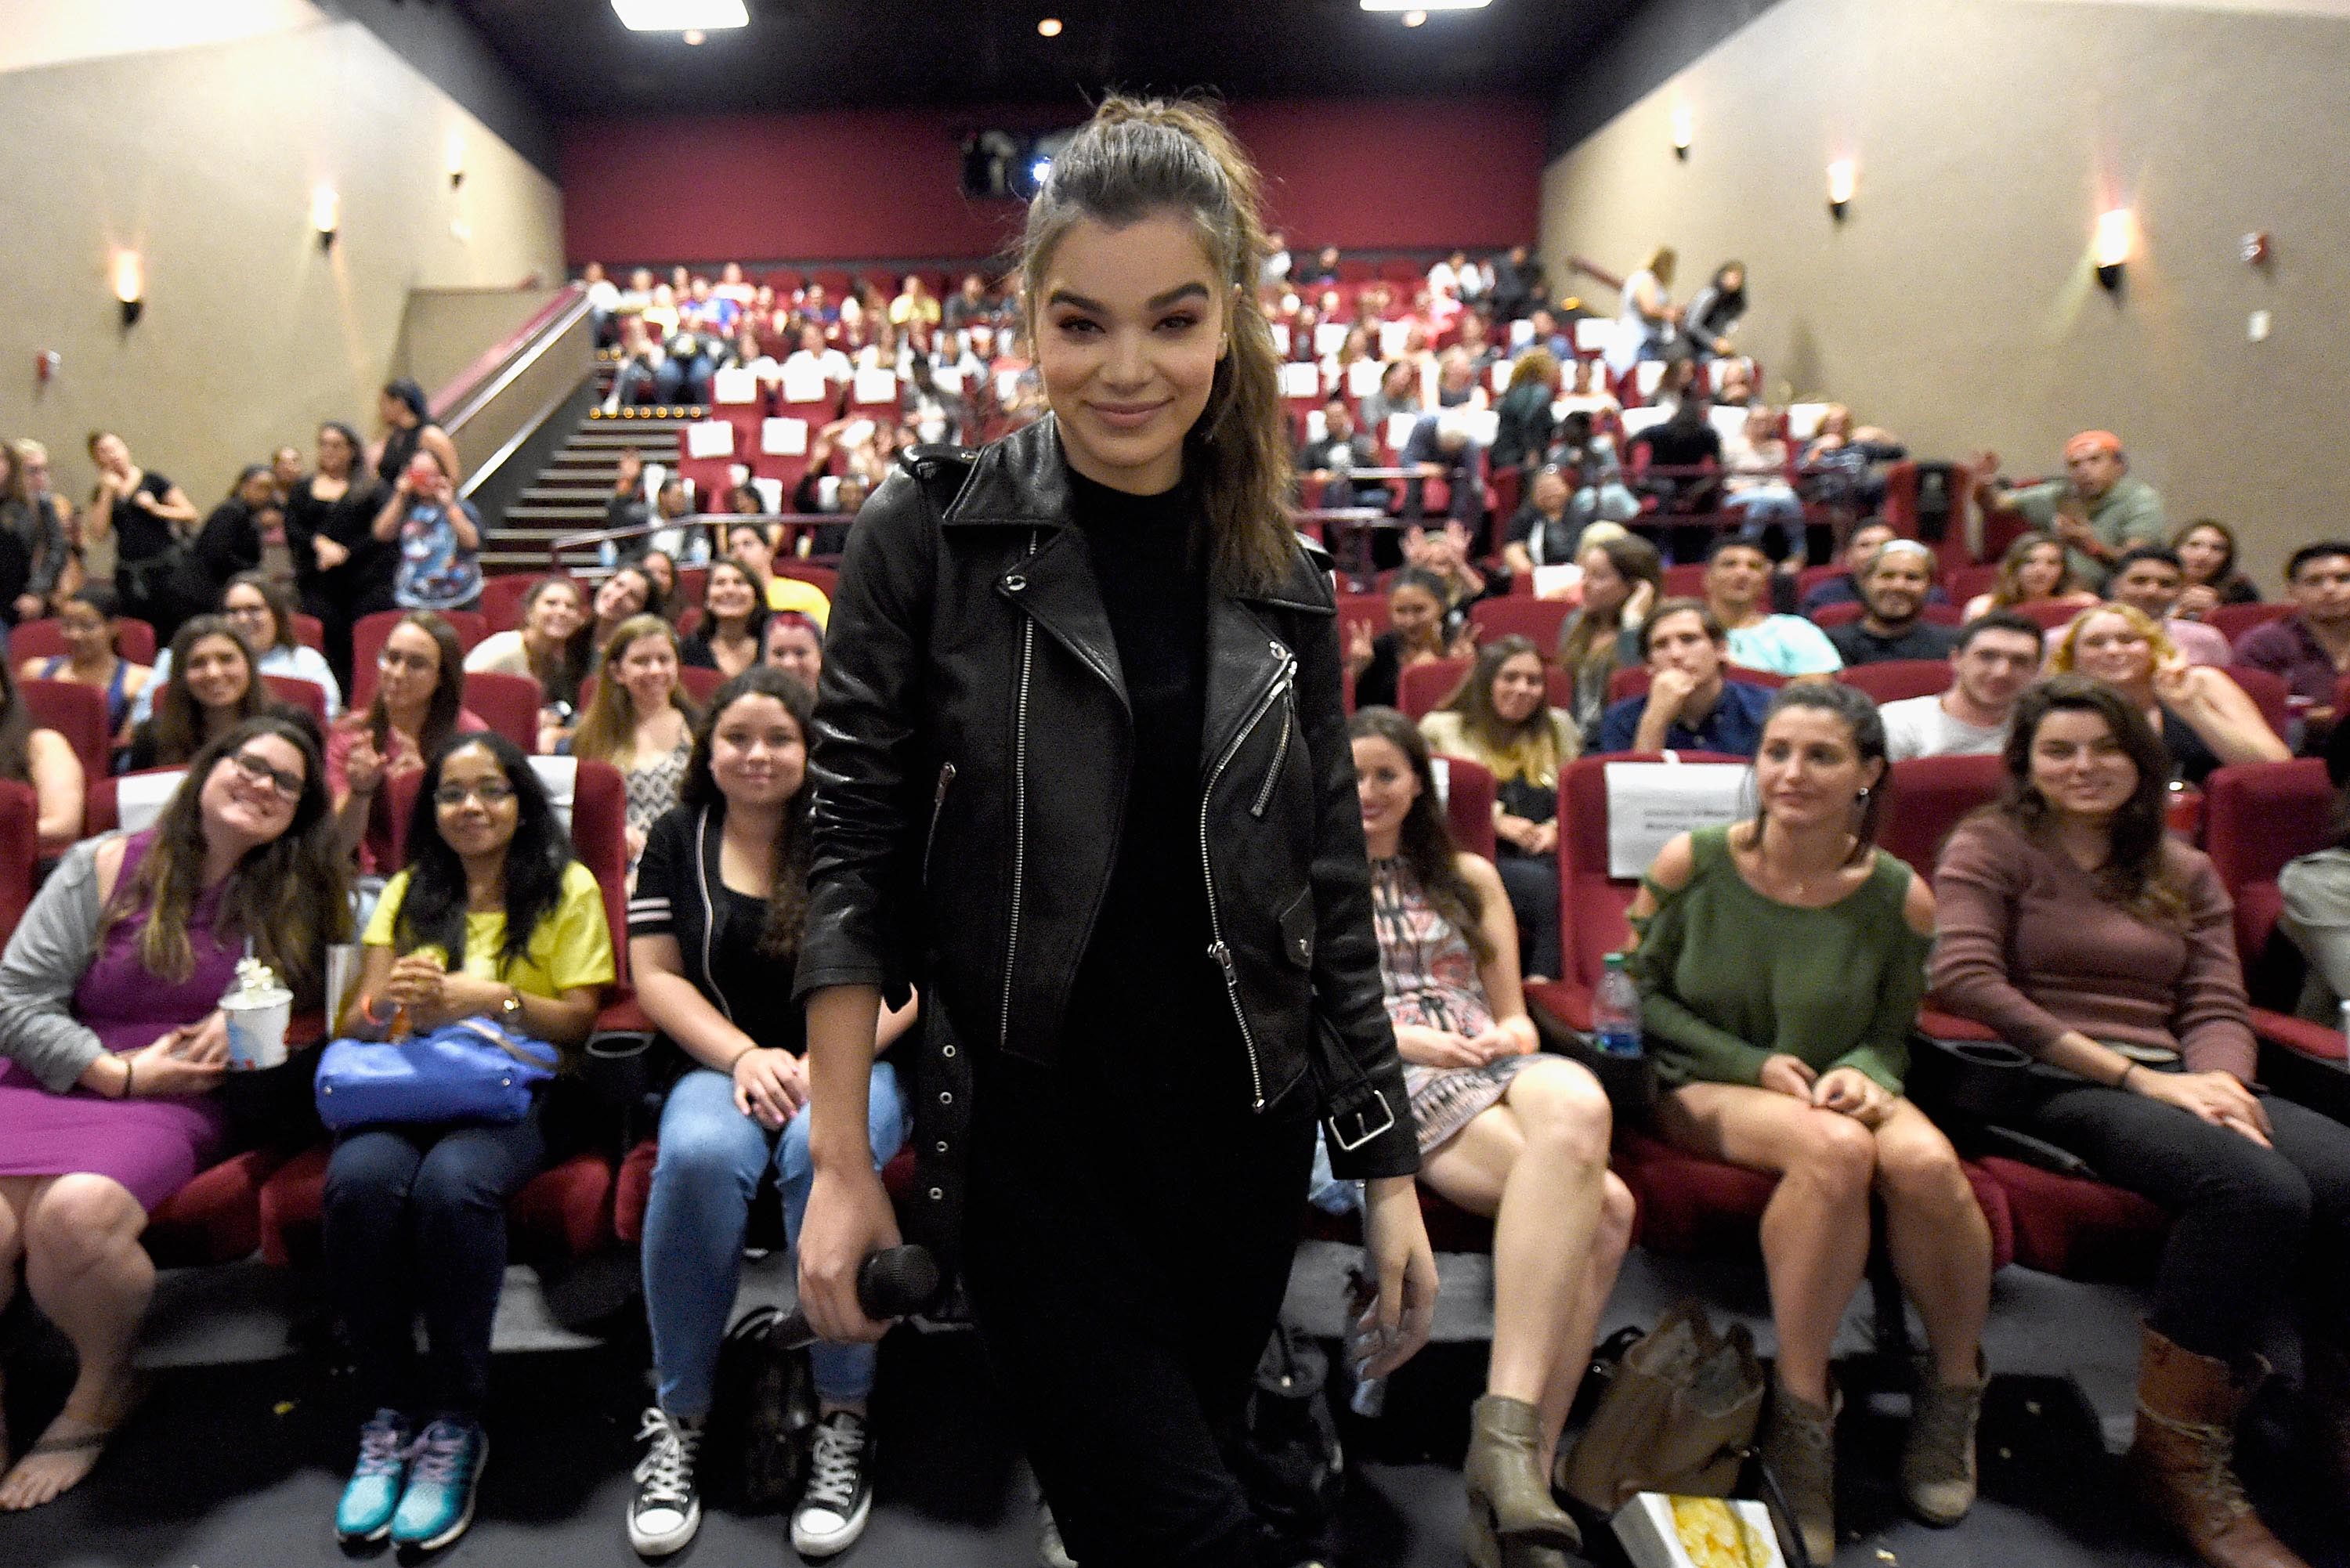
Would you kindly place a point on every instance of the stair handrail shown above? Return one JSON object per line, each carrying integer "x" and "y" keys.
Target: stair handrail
{"x": 475, "y": 387}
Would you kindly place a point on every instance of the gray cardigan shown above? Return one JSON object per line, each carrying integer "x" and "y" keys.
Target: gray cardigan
{"x": 53, "y": 946}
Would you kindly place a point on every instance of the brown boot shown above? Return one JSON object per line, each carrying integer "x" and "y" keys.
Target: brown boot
{"x": 2182, "y": 1460}
{"x": 1799, "y": 1446}
{"x": 1513, "y": 1519}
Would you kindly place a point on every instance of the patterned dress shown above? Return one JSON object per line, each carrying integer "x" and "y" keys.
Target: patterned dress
{"x": 1430, "y": 974}
{"x": 653, "y": 784}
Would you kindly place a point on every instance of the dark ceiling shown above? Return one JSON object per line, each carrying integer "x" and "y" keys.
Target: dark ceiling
{"x": 834, "y": 54}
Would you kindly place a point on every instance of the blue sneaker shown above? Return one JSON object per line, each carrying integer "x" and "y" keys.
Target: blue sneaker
{"x": 441, "y": 1479}
{"x": 365, "y": 1512}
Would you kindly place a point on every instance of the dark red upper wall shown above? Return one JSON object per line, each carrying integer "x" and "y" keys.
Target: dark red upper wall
{"x": 1361, "y": 174}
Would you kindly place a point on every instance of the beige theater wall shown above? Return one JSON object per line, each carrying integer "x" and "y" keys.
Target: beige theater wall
{"x": 1956, "y": 302}
{"x": 203, "y": 160}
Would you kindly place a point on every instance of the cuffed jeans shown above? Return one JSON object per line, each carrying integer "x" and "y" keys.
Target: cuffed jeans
{"x": 712, "y": 1159}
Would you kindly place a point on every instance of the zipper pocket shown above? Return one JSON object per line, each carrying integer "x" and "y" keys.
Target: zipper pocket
{"x": 938, "y": 811}
{"x": 1017, "y": 584}
{"x": 1279, "y": 751}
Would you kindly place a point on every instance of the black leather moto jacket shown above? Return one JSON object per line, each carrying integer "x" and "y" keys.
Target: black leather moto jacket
{"x": 970, "y": 751}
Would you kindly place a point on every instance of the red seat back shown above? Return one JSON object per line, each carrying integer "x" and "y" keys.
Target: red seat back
{"x": 2257, "y": 816}
{"x": 1591, "y": 903}
{"x": 20, "y": 846}
{"x": 2050, "y": 615}
{"x": 295, "y": 692}
{"x": 75, "y": 711}
{"x": 1468, "y": 791}
{"x": 1686, "y": 581}
{"x": 506, "y": 703}
{"x": 1892, "y": 680}
{"x": 1927, "y": 797}
{"x": 501, "y": 597}
{"x": 824, "y": 577}
{"x": 310, "y": 632}
{"x": 1964, "y": 582}
{"x": 1366, "y": 607}
{"x": 2269, "y": 693}
{"x": 2234, "y": 620}
{"x": 369, "y": 632}
{"x": 1424, "y": 687}
{"x": 1521, "y": 616}
{"x": 45, "y": 638}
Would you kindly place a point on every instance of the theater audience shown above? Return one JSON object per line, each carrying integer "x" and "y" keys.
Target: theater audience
{"x": 229, "y": 542}
{"x": 492, "y": 919}
{"x": 1688, "y": 706}
{"x": 2032, "y": 570}
{"x": 627, "y": 593}
{"x": 1398, "y": 393}
{"x": 1443, "y": 553}
{"x": 2098, "y": 509}
{"x": 1329, "y": 459}
{"x": 1441, "y": 446}
{"x": 1738, "y": 589}
{"x": 1419, "y": 607}
{"x": 1859, "y": 550}
{"x": 2150, "y": 580}
{"x": 1542, "y": 533}
{"x": 408, "y": 428}
{"x": 1644, "y": 313}
{"x": 262, "y": 611}
{"x": 640, "y": 721}
{"x": 2203, "y": 718}
{"x": 136, "y": 521}
{"x": 212, "y": 687}
{"x": 38, "y": 519}
{"x": 733, "y": 618}
{"x": 552, "y": 645}
{"x": 1501, "y": 718}
{"x": 1780, "y": 963}
{"x": 1996, "y": 656}
{"x": 341, "y": 570}
{"x": 113, "y": 1041}
{"x": 419, "y": 704}
{"x": 1503, "y": 1130}
{"x": 2206, "y": 554}
{"x": 1893, "y": 625}
{"x": 794, "y": 644}
{"x": 2316, "y": 888}
{"x": 1715, "y": 312}
{"x": 2081, "y": 931}
{"x": 2309, "y": 647}
{"x": 1683, "y": 444}
{"x": 44, "y": 761}
{"x": 720, "y": 894}
{"x": 87, "y": 621}
{"x": 1756, "y": 487}
{"x": 1522, "y": 425}
{"x": 1623, "y": 579}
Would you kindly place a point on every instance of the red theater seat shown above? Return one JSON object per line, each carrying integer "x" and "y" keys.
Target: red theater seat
{"x": 20, "y": 844}
{"x": 369, "y": 631}
{"x": 1521, "y": 616}
{"x": 214, "y": 1219}
{"x": 2269, "y": 694}
{"x": 2234, "y": 620}
{"x": 45, "y": 638}
{"x": 501, "y": 597}
{"x": 310, "y": 632}
{"x": 1469, "y": 794}
{"x": 562, "y": 1213}
{"x": 75, "y": 711}
{"x": 506, "y": 703}
{"x": 1896, "y": 679}
{"x": 295, "y": 692}
{"x": 1926, "y": 797}
{"x": 2077, "y": 1228}
{"x": 2257, "y": 816}
{"x": 1424, "y": 687}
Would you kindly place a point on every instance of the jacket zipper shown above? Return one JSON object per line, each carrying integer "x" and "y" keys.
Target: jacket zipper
{"x": 938, "y": 810}
{"x": 1019, "y": 802}
{"x": 1279, "y": 752}
{"x": 1218, "y": 949}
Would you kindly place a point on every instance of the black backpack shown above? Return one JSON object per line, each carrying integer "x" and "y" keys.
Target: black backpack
{"x": 1286, "y": 1455}
{"x": 755, "y": 1450}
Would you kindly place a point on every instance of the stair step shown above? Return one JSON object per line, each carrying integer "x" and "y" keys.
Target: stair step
{"x": 579, "y": 516}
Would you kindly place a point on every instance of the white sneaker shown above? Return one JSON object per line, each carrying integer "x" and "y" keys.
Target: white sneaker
{"x": 666, "y": 1510}
{"x": 840, "y": 1495}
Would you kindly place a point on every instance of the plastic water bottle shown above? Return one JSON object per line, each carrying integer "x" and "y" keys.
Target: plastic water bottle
{"x": 1615, "y": 1011}
{"x": 1369, "y": 1395}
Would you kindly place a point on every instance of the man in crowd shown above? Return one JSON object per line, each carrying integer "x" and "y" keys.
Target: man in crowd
{"x": 2311, "y": 647}
{"x": 1900, "y": 576}
{"x": 1871, "y": 536}
{"x": 2098, "y": 509}
{"x": 1440, "y": 446}
{"x": 2149, "y": 579}
{"x": 1738, "y": 589}
{"x": 1342, "y": 449}
{"x": 1688, "y": 706}
{"x": 1998, "y": 655}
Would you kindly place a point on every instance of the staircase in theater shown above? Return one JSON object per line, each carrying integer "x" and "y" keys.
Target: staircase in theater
{"x": 572, "y": 490}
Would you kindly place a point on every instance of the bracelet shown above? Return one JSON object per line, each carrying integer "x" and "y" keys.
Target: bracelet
{"x": 740, "y": 1057}
{"x": 127, "y": 1065}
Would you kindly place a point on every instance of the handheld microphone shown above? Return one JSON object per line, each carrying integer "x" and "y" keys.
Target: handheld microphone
{"x": 896, "y": 1281}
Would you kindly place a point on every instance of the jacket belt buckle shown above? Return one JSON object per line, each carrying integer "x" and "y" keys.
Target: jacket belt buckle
{"x": 1362, "y": 1116}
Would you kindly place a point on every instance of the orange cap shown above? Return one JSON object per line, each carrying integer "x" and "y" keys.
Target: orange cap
{"x": 2092, "y": 440}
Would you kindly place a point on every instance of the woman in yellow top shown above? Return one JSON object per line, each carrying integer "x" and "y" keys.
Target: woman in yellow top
{"x": 1501, "y": 718}
{"x": 494, "y": 918}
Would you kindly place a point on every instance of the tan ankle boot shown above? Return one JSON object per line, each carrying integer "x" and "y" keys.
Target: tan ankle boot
{"x": 2182, "y": 1460}
{"x": 1799, "y": 1445}
{"x": 1513, "y": 1519}
{"x": 1938, "y": 1464}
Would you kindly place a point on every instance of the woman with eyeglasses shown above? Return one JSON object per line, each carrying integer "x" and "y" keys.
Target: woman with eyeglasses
{"x": 494, "y": 918}
{"x": 264, "y": 611}
{"x": 212, "y": 689}
{"x": 89, "y": 623}
{"x": 420, "y": 703}
{"x": 113, "y": 1044}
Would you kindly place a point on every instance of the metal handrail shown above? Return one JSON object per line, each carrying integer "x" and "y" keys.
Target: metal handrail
{"x": 716, "y": 521}
{"x": 550, "y": 333}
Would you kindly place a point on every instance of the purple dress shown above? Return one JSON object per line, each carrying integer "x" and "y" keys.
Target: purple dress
{"x": 154, "y": 1147}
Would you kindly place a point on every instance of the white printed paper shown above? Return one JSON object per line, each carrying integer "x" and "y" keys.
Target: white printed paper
{"x": 1803, "y": 419}
{"x": 1329, "y": 336}
{"x": 1502, "y": 370}
{"x": 1281, "y": 338}
{"x": 735, "y": 384}
{"x": 1592, "y": 334}
{"x": 771, "y": 493}
{"x": 947, "y": 378}
{"x": 1648, "y": 803}
{"x": 1560, "y": 582}
{"x": 1482, "y": 424}
{"x": 1363, "y": 378}
{"x": 1648, "y": 374}
{"x": 803, "y": 383}
{"x": 783, "y": 438}
{"x": 1394, "y": 336}
{"x": 560, "y": 776}
{"x": 709, "y": 438}
{"x": 1634, "y": 421}
{"x": 1729, "y": 423}
{"x": 1007, "y": 387}
{"x": 1301, "y": 380}
{"x": 1317, "y": 426}
{"x": 875, "y": 387}
{"x": 1522, "y": 332}
{"x": 140, "y": 798}
{"x": 1399, "y": 430}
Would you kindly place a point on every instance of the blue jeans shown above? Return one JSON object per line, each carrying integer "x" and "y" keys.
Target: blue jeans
{"x": 711, "y": 1158}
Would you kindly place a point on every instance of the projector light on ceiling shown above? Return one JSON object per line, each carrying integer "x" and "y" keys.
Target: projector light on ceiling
{"x": 681, "y": 16}
{"x": 1425, "y": 4}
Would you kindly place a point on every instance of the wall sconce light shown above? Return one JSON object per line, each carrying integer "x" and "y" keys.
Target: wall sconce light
{"x": 1840, "y": 183}
{"x": 326, "y": 213}
{"x": 129, "y": 285}
{"x": 1681, "y": 131}
{"x": 456, "y": 160}
{"x": 2117, "y": 230}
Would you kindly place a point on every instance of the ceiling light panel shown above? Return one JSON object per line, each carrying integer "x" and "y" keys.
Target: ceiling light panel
{"x": 1417, "y": 5}
{"x": 681, "y": 16}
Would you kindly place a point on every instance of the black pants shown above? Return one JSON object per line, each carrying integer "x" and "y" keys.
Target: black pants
{"x": 2252, "y": 1223}
{"x": 1126, "y": 1258}
{"x": 339, "y": 607}
{"x": 416, "y": 1216}
{"x": 1532, "y": 883}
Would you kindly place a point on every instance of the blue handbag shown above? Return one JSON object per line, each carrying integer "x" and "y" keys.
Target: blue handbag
{"x": 469, "y": 1071}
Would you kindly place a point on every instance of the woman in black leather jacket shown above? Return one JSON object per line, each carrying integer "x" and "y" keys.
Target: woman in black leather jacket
{"x": 1082, "y": 773}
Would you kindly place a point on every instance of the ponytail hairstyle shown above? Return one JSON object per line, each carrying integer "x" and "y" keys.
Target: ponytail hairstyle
{"x": 1138, "y": 157}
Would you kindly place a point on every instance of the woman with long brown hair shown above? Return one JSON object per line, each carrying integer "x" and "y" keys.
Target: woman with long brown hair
{"x": 1107, "y": 618}
{"x": 419, "y": 704}
{"x": 640, "y": 720}
{"x": 1623, "y": 581}
{"x": 2032, "y": 570}
{"x": 213, "y": 686}
{"x": 2078, "y": 928}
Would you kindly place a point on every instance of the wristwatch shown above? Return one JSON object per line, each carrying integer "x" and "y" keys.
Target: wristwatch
{"x": 510, "y": 1010}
